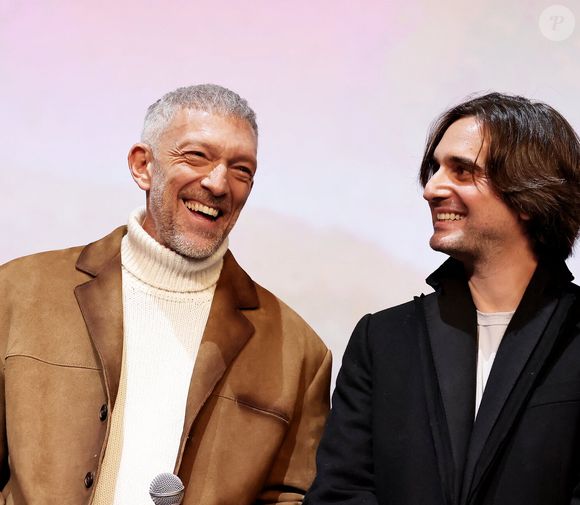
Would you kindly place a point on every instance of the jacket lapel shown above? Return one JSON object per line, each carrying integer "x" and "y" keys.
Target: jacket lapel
{"x": 226, "y": 333}
{"x": 451, "y": 327}
{"x": 101, "y": 303}
{"x": 524, "y": 349}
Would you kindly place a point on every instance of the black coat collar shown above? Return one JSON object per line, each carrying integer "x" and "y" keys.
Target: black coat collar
{"x": 451, "y": 329}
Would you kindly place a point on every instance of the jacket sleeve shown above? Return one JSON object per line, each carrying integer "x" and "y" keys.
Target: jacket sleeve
{"x": 294, "y": 467}
{"x": 344, "y": 461}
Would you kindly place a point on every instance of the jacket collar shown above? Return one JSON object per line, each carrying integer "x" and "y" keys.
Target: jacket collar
{"x": 95, "y": 256}
{"x": 525, "y": 349}
{"x": 101, "y": 302}
{"x": 227, "y": 329}
{"x": 551, "y": 274}
{"x": 451, "y": 333}
{"x": 451, "y": 326}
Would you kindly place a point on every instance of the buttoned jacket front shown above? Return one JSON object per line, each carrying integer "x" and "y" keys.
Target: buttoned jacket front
{"x": 256, "y": 406}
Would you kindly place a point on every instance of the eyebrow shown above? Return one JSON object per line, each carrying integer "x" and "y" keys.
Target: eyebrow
{"x": 211, "y": 150}
{"x": 460, "y": 160}
{"x": 195, "y": 143}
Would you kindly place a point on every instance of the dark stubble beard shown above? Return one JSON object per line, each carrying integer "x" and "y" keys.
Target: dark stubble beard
{"x": 475, "y": 246}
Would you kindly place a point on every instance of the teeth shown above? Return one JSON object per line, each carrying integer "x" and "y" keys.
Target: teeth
{"x": 449, "y": 216}
{"x": 204, "y": 209}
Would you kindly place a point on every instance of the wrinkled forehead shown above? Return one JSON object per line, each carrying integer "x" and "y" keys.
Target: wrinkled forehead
{"x": 195, "y": 115}
{"x": 202, "y": 119}
{"x": 194, "y": 129}
{"x": 165, "y": 121}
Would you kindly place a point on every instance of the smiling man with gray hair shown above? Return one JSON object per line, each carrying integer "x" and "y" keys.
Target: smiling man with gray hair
{"x": 151, "y": 350}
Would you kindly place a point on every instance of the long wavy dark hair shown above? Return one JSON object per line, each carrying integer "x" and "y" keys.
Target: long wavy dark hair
{"x": 533, "y": 164}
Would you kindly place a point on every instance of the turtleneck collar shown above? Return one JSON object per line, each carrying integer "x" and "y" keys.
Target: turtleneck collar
{"x": 162, "y": 268}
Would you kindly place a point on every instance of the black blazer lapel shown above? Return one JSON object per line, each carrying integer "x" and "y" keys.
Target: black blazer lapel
{"x": 450, "y": 327}
{"x": 524, "y": 349}
{"x": 435, "y": 408}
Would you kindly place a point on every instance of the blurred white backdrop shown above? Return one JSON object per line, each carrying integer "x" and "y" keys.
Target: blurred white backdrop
{"x": 344, "y": 92}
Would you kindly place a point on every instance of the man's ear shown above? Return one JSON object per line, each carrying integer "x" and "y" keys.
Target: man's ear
{"x": 524, "y": 216}
{"x": 140, "y": 160}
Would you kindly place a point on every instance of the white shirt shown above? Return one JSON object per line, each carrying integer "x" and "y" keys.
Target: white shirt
{"x": 491, "y": 327}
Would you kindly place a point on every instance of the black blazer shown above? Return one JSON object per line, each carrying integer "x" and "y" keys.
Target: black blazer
{"x": 402, "y": 429}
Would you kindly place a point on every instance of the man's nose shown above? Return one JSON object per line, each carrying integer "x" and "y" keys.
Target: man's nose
{"x": 437, "y": 186}
{"x": 216, "y": 181}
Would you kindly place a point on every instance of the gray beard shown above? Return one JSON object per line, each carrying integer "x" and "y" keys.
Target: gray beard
{"x": 170, "y": 234}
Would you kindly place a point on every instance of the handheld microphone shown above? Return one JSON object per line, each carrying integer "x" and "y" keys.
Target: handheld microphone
{"x": 166, "y": 489}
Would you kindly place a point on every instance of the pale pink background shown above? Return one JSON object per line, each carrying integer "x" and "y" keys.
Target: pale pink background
{"x": 344, "y": 92}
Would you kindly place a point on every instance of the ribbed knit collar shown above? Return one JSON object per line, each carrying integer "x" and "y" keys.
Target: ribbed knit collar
{"x": 158, "y": 266}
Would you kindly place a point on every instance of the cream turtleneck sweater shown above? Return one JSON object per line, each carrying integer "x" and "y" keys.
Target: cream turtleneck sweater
{"x": 166, "y": 302}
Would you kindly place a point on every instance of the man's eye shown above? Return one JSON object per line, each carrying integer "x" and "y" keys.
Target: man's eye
{"x": 462, "y": 170}
{"x": 197, "y": 154}
{"x": 244, "y": 170}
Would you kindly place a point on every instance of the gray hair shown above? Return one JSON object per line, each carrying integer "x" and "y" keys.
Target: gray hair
{"x": 204, "y": 97}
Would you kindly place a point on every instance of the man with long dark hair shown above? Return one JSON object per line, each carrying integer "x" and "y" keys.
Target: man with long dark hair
{"x": 471, "y": 394}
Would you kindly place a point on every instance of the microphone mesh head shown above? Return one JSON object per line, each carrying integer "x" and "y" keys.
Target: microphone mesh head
{"x": 166, "y": 489}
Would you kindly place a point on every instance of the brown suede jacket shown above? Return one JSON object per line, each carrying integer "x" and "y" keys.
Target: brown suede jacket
{"x": 257, "y": 402}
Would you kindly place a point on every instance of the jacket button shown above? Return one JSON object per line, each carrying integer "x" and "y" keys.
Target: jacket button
{"x": 103, "y": 412}
{"x": 89, "y": 479}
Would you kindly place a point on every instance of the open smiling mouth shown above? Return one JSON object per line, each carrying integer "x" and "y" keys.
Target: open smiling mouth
{"x": 203, "y": 210}
{"x": 448, "y": 216}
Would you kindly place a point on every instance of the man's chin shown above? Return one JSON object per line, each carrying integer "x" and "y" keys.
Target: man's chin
{"x": 455, "y": 250}
{"x": 196, "y": 250}
{"x": 450, "y": 247}
{"x": 437, "y": 245}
